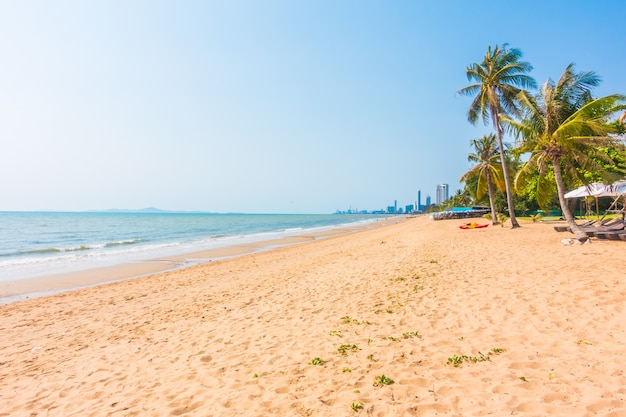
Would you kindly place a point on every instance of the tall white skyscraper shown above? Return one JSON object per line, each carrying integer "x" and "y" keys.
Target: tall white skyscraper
{"x": 442, "y": 193}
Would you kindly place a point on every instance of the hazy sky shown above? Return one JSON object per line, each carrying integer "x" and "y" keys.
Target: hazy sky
{"x": 263, "y": 106}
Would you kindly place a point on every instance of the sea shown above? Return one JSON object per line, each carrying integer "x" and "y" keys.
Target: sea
{"x": 34, "y": 244}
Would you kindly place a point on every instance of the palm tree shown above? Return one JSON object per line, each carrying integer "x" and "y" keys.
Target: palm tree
{"x": 487, "y": 168}
{"x": 563, "y": 128}
{"x": 498, "y": 80}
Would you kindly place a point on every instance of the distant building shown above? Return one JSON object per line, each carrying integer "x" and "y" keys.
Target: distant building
{"x": 427, "y": 200}
{"x": 409, "y": 208}
{"x": 442, "y": 193}
{"x": 419, "y": 200}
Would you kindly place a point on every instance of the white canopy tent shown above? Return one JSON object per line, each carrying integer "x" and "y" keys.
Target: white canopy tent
{"x": 596, "y": 189}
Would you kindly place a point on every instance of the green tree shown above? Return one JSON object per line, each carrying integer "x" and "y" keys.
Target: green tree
{"x": 563, "y": 128}
{"x": 487, "y": 168}
{"x": 498, "y": 79}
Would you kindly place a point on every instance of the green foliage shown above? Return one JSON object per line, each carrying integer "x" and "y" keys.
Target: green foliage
{"x": 356, "y": 406}
{"x": 567, "y": 135}
{"x": 344, "y": 349}
{"x": 317, "y": 362}
{"x": 383, "y": 380}
{"x": 458, "y": 360}
{"x": 409, "y": 335}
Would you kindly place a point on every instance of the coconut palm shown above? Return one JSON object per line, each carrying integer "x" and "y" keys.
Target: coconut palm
{"x": 563, "y": 128}
{"x": 498, "y": 80}
{"x": 487, "y": 169}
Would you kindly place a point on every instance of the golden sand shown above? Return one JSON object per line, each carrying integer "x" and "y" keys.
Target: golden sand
{"x": 536, "y": 328}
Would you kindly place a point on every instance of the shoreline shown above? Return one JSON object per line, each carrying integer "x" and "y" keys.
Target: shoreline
{"x": 44, "y": 285}
{"x": 460, "y": 322}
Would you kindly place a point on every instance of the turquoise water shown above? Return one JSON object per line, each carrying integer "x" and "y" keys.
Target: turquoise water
{"x": 42, "y": 243}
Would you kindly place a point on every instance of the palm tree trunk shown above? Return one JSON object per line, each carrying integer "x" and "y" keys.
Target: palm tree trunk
{"x": 569, "y": 217}
{"x": 490, "y": 190}
{"x": 507, "y": 185}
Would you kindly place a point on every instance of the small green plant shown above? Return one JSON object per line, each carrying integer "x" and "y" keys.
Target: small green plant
{"x": 416, "y": 276}
{"x": 317, "y": 362}
{"x": 551, "y": 375}
{"x": 417, "y": 288}
{"x": 356, "y": 391}
{"x": 462, "y": 338}
{"x": 523, "y": 378}
{"x": 536, "y": 217}
{"x": 369, "y": 341}
{"x": 349, "y": 320}
{"x": 400, "y": 279}
{"x": 394, "y": 339}
{"x": 409, "y": 335}
{"x": 457, "y": 360}
{"x": 357, "y": 405}
{"x": 502, "y": 218}
{"x": 370, "y": 356}
{"x": 383, "y": 380}
{"x": 389, "y": 311}
{"x": 433, "y": 261}
{"x": 343, "y": 349}
{"x": 255, "y": 376}
{"x": 344, "y": 370}
{"x": 335, "y": 333}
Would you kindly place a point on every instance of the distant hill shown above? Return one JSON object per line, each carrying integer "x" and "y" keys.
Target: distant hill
{"x": 143, "y": 210}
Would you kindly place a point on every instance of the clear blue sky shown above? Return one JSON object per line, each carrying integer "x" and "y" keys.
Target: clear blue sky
{"x": 263, "y": 106}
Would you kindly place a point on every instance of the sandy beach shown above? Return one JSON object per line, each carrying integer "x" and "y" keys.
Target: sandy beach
{"x": 416, "y": 318}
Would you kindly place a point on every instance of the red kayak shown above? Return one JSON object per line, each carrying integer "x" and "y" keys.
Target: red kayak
{"x": 473, "y": 226}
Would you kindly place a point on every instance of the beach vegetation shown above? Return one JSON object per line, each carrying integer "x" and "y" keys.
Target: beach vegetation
{"x": 370, "y": 356}
{"x": 383, "y": 380}
{"x": 410, "y": 335}
{"x": 350, "y": 320}
{"x": 417, "y": 288}
{"x": 317, "y": 362}
{"x": 335, "y": 333}
{"x": 344, "y": 349}
{"x": 357, "y": 405}
{"x": 497, "y": 82}
{"x": 393, "y": 339}
{"x": 523, "y": 378}
{"x": 487, "y": 169}
{"x": 562, "y": 129}
{"x": 458, "y": 360}
{"x": 344, "y": 370}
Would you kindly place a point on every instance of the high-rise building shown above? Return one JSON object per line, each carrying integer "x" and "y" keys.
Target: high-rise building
{"x": 419, "y": 200}
{"x": 442, "y": 193}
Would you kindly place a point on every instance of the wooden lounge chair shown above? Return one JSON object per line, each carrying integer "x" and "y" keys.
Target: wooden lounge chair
{"x": 615, "y": 226}
{"x": 611, "y": 235}
{"x": 588, "y": 223}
